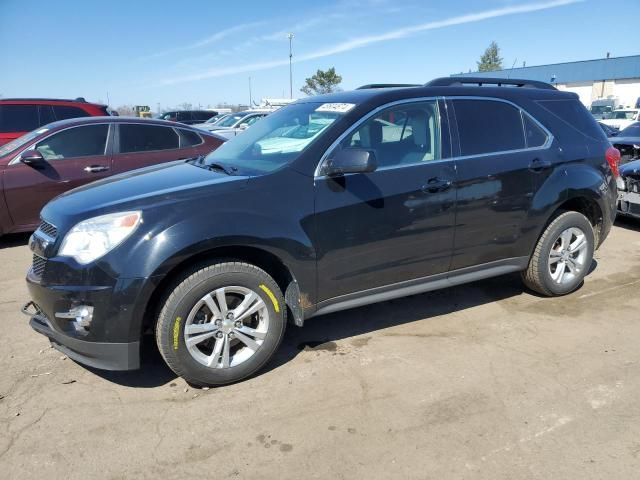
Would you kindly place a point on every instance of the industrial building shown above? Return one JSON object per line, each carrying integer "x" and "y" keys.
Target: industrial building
{"x": 611, "y": 77}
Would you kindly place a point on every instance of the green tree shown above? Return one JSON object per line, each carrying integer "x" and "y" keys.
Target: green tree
{"x": 326, "y": 81}
{"x": 490, "y": 59}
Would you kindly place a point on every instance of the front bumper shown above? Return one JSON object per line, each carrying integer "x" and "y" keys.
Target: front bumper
{"x": 103, "y": 355}
{"x": 629, "y": 204}
{"x": 110, "y": 339}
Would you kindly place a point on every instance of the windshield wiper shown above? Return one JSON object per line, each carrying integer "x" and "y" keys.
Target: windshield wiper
{"x": 222, "y": 168}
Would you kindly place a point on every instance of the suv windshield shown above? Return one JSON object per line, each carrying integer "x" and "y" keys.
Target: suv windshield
{"x": 278, "y": 138}
{"x": 20, "y": 141}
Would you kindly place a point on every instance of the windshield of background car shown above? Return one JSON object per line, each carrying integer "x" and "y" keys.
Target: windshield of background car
{"x": 278, "y": 138}
{"x": 632, "y": 130}
{"x": 231, "y": 120}
{"x": 625, "y": 114}
{"x": 20, "y": 141}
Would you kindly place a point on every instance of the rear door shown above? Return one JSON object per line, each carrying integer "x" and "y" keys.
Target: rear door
{"x": 73, "y": 157}
{"x": 139, "y": 145}
{"x": 396, "y": 223}
{"x": 499, "y": 168}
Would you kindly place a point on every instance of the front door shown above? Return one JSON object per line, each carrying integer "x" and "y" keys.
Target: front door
{"x": 72, "y": 157}
{"x": 394, "y": 224}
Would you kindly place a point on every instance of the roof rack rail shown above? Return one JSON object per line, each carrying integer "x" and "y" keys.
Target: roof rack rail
{"x": 461, "y": 81}
{"x": 388, "y": 85}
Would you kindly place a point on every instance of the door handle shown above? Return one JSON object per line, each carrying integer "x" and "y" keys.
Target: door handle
{"x": 537, "y": 165}
{"x": 96, "y": 168}
{"x": 436, "y": 185}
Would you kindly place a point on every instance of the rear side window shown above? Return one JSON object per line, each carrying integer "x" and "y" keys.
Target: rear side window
{"x": 189, "y": 138}
{"x": 183, "y": 116}
{"x": 146, "y": 138}
{"x": 574, "y": 114}
{"x": 487, "y": 126}
{"x": 63, "y": 112}
{"x": 204, "y": 116}
{"x": 75, "y": 142}
{"x": 18, "y": 118}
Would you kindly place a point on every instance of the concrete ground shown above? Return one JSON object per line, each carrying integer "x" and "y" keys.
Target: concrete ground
{"x": 483, "y": 381}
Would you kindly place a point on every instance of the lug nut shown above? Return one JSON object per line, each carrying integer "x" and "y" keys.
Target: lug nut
{"x": 218, "y": 323}
{"x": 219, "y": 335}
{"x": 238, "y": 324}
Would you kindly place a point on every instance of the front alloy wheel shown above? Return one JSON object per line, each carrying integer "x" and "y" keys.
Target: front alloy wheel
{"x": 221, "y": 323}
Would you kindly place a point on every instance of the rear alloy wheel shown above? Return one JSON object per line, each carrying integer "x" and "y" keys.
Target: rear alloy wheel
{"x": 562, "y": 256}
{"x": 221, "y": 323}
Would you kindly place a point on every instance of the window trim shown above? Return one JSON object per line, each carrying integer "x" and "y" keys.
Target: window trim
{"x": 118, "y": 151}
{"x": 108, "y": 148}
{"x": 317, "y": 172}
{"x": 545, "y": 146}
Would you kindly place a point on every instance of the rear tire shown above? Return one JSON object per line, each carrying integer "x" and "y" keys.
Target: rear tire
{"x": 562, "y": 256}
{"x": 234, "y": 317}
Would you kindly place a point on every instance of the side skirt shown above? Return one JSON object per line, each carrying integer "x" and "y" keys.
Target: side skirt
{"x": 421, "y": 285}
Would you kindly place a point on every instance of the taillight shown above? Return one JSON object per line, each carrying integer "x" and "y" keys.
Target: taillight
{"x": 613, "y": 159}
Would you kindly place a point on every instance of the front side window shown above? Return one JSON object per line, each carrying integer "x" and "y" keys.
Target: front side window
{"x": 488, "y": 126}
{"x": 89, "y": 140}
{"x": 18, "y": 118}
{"x": 251, "y": 120}
{"x": 278, "y": 138}
{"x": 146, "y": 138}
{"x": 406, "y": 134}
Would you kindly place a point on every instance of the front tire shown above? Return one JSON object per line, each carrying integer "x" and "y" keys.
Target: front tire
{"x": 221, "y": 323}
{"x": 562, "y": 256}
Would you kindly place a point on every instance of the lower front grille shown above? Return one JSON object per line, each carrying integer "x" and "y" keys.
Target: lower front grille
{"x": 38, "y": 266}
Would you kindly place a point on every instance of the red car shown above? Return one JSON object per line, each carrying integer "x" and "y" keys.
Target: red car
{"x": 63, "y": 155}
{"x": 21, "y": 115}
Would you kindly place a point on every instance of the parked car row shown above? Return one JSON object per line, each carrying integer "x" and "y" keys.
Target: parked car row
{"x": 234, "y": 123}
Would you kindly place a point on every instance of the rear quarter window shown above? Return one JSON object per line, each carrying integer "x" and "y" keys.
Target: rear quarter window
{"x": 62, "y": 112}
{"x": 189, "y": 138}
{"x": 574, "y": 115}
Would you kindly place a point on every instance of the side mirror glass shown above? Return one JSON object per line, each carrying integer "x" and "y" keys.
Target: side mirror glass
{"x": 243, "y": 126}
{"x": 32, "y": 157}
{"x": 351, "y": 160}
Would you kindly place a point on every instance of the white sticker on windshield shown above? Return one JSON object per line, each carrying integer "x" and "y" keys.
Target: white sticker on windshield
{"x": 335, "y": 107}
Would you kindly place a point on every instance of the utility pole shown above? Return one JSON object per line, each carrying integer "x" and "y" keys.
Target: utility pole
{"x": 250, "y": 96}
{"x": 290, "y": 37}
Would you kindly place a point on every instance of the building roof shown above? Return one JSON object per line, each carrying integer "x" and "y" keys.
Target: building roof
{"x": 615, "y": 68}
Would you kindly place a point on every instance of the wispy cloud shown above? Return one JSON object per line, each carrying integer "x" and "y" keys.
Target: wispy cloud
{"x": 365, "y": 41}
{"x": 208, "y": 40}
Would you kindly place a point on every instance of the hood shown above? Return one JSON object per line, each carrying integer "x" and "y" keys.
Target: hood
{"x": 625, "y": 140}
{"x": 630, "y": 169}
{"x": 139, "y": 190}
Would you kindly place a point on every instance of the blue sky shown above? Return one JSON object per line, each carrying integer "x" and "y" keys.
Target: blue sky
{"x": 203, "y": 52}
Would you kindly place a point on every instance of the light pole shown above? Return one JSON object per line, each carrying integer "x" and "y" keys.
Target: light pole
{"x": 290, "y": 37}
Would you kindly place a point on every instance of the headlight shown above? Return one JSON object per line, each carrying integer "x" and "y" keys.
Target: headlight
{"x": 95, "y": 237}
{"x": 620, "y": 183}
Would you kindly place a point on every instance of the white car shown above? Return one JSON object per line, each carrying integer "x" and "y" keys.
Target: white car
{"x": 234, "y": 123}
{"x": 622, "y": 118}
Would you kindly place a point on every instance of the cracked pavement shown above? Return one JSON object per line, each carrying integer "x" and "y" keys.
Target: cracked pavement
{"x": 483, "y": 381}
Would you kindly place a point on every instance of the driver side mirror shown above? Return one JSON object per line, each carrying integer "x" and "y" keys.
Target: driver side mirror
{"x": 32, "y": 157}
{"x": 243, "y": 126}
{"x": 351, "y": 160}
